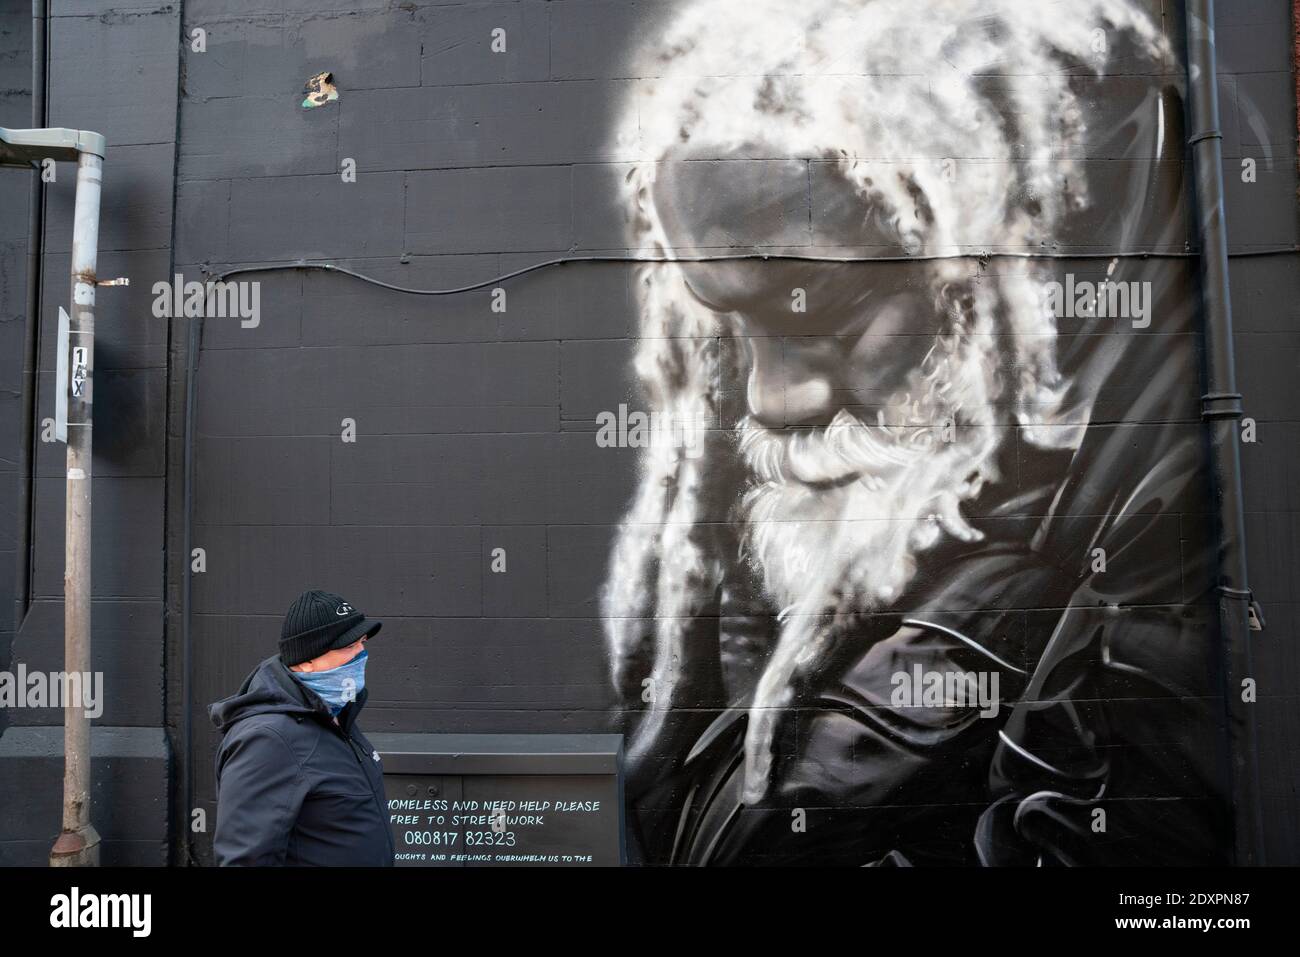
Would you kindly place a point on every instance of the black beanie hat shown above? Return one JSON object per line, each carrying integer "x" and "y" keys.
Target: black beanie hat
{"x": 319, "y": 621}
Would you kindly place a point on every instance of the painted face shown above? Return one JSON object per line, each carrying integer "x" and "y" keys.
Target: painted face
{"x": 819, "y": 337}
{"x": 840, "y": 399}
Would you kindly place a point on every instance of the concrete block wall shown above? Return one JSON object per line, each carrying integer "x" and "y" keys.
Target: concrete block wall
{"x": 474, "y": 427}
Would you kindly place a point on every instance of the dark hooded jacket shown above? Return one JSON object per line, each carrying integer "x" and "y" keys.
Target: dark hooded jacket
{"x": 293, "y": 787}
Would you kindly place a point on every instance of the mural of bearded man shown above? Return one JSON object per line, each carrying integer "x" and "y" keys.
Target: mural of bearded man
{"x": 938, "y": 589}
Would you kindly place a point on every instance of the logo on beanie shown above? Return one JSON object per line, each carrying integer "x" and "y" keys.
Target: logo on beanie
{"x": 344, "y": 609}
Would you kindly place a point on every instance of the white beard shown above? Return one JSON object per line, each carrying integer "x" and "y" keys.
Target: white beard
{"x": 820, "y": 548}
{"x": 826, "y": 553}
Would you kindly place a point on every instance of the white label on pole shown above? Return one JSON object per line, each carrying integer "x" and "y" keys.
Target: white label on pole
{"x": 80, "y": 361}
{"x": 61, "y": 380}
{"x": 83, "y": 294}
{"x": 76, "y": 475}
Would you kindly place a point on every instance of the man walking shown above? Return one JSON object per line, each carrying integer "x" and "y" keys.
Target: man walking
{"x": 297, "y": 782}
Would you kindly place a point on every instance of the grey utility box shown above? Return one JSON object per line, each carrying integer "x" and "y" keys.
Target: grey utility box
{"x": 500, "y": 800}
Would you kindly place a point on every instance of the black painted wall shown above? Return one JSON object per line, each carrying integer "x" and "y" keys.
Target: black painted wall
{"x": 474, "y": 428}
{"x": 15, "y": 111}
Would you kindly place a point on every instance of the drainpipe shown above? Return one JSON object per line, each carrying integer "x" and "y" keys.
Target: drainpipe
{"x": 1295, "y": 72}
{"x": 1221, "y": 409}
{"x": 78, "y": 844}
{"x": 31, "y": 337}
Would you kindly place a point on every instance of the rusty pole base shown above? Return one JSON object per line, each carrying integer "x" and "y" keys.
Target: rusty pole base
{"x": 76, "y": 849}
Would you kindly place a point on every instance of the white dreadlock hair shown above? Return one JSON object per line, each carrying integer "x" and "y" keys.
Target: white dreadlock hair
{"x": 886, "y": 90}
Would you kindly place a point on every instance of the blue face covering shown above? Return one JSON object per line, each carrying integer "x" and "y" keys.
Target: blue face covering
{"x": 337, "y": 686}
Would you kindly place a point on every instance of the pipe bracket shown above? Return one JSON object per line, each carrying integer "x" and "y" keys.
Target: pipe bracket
{"x": 1221, "y": 405}
{"x": 1254, "y": 610}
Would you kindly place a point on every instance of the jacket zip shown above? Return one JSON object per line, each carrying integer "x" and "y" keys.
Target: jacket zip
{"x": 383, "y": 812}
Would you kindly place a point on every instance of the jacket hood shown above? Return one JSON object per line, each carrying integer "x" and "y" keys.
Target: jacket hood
{"x": 269, "y": 689}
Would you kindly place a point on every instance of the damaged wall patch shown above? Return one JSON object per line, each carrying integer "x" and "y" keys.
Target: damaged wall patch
{"x": 320, "y": 90}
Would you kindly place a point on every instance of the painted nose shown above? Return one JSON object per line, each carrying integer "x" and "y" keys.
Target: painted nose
{"x": 789, "y": 382}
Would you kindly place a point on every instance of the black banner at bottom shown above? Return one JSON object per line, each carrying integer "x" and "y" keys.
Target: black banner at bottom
{"x": 330, "y": 908}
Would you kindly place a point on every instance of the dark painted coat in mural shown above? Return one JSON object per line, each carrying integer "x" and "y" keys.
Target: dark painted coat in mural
{"x": 1107, "y": 681}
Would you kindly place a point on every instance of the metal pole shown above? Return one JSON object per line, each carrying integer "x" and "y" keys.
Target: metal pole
{"x": 1221, "y": 410}
{"x": 78, "y": 844}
